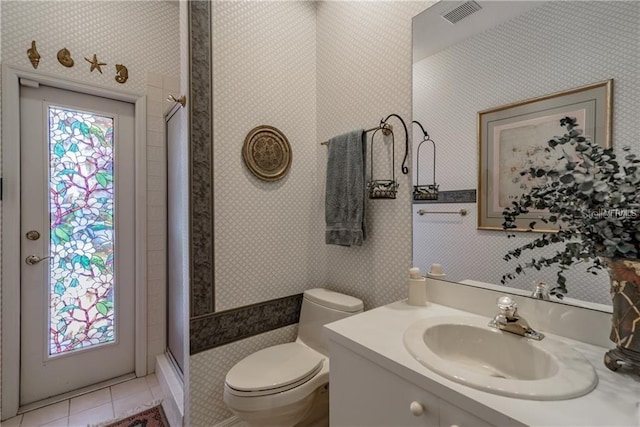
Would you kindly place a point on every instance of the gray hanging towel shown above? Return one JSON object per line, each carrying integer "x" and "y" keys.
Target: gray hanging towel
{"x": 345, "y": 189}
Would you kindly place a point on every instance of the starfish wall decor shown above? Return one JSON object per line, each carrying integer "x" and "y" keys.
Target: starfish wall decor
{"x": 95, "y": 64}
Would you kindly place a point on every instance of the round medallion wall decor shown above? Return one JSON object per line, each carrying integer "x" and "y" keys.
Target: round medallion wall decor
{"x": 267, "y": 153}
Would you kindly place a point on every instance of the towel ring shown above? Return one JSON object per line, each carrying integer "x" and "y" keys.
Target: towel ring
{"x": 428, "y": 191}
{"x": 383, "y": 188}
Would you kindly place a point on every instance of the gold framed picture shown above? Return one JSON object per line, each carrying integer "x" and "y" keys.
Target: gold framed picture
{"x": 513, "y": 138}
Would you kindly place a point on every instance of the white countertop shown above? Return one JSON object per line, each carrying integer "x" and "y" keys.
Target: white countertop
{"x": 377, "y": 335}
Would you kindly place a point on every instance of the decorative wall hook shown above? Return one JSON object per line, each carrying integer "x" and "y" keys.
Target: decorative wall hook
{"x": 182, "y": 100}
{"x": 64, "y": 57}
{"x": 33, "y": 54}
{"x": 405, "y": 170}
{"x": 122, "y": 74}
{"x": 95, "y": 64}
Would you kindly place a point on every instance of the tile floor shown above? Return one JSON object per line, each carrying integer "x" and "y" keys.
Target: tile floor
{"x": 92, "y": 408}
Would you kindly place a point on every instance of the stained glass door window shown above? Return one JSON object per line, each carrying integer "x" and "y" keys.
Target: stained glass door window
{"x": 81, "y": 208}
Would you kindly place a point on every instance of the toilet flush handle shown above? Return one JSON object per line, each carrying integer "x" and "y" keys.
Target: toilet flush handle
{"x": 416, "y": 408}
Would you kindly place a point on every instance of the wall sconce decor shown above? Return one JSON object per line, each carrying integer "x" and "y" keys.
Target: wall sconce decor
{"x": 64, "y": 57}
{"x": 33, "y": 54}
{"x": 383, "y": 188}
{"x": 428, "y": 191}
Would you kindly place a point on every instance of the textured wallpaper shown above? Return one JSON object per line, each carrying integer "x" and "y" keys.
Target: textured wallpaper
{"x": 209, "y": 369}
{"x": 313, "y": 70}
{"x": 264, "y": 62}
{"x": 143, "y": 35}
{"x": 364, "y": 74}
{"x": 558, "y": 46}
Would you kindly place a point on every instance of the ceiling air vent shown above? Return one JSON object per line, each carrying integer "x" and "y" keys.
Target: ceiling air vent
{"x": 461, "y": 12}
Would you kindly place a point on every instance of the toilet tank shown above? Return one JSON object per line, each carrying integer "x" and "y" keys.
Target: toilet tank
{"x": 319, "y": 307}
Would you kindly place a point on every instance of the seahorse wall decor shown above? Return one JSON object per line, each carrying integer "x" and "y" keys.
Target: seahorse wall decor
{"x": 33, "y": 54}
{"x": 122, "y": 74}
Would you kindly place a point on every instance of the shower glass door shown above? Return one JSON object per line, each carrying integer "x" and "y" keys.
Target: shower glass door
{"x": 177, "y": 233}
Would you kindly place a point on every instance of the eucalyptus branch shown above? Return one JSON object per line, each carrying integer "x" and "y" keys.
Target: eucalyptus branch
{"x": 592, "y": 199}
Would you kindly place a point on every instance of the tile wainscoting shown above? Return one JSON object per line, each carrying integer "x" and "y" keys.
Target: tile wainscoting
{"x": 239, "y": 323}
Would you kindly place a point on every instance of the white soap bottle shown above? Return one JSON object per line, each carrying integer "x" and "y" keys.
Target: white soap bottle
{"x": 417, "y": 288}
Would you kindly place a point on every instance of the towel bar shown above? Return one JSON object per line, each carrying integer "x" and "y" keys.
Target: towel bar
{"x": 461, "y": 212}
{"x": 386, "y": 128}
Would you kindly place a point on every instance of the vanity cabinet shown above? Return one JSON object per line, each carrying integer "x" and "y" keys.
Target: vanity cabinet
{"x": 366, "y": 394}
{"x": 376, "y": 381}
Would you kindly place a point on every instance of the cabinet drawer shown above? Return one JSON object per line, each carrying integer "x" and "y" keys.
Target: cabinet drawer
{"x": 365, "y": 394}
{"x": 451, "y": 416}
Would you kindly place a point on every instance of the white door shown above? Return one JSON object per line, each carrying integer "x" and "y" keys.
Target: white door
{"x": 77, "y": 241}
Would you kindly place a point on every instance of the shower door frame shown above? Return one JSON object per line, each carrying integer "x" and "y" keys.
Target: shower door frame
{"x": 11, "y": 222}
{"x": 178, "y": 365}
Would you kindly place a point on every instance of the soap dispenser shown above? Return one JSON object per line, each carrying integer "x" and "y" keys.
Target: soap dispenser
{"x": 417, "y": 288}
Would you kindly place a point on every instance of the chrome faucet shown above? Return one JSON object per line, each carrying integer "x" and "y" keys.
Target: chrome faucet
{"x": 508, "y": 320}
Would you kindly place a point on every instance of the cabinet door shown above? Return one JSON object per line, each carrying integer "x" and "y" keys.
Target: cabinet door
{"x": 452, "y": 416}
{"x": 365, "y": 394}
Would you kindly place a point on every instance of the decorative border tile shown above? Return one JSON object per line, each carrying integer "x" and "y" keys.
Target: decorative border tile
{"x": 202, "y": 297}
{"x": 454, "y": 196}
{"x": 224, "y": 327}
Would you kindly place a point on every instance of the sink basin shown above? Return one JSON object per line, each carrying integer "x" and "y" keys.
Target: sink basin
{"x": 466, "y": 350}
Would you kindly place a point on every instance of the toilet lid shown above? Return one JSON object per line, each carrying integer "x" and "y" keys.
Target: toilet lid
{"x": 274, "y": 368}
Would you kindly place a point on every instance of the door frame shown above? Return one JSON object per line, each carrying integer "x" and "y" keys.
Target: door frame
{"x": 10, "y": 278}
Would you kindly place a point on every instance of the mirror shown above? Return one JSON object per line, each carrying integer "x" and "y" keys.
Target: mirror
{"x": 505, "y": 53}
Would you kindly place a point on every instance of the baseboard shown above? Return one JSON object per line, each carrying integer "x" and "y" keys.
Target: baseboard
{"x": 74, "y": 393}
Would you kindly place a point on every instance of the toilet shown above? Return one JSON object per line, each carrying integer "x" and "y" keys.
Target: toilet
{"x": 288, "y": 384}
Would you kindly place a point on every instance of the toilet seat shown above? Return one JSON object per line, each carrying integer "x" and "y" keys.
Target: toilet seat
{"x": 274, "y": 370}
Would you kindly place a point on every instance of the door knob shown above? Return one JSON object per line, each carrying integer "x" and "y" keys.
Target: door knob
{"x": 34, "y": 259}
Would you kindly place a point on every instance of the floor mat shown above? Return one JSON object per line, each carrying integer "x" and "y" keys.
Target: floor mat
{"x": 152, "y": 417}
